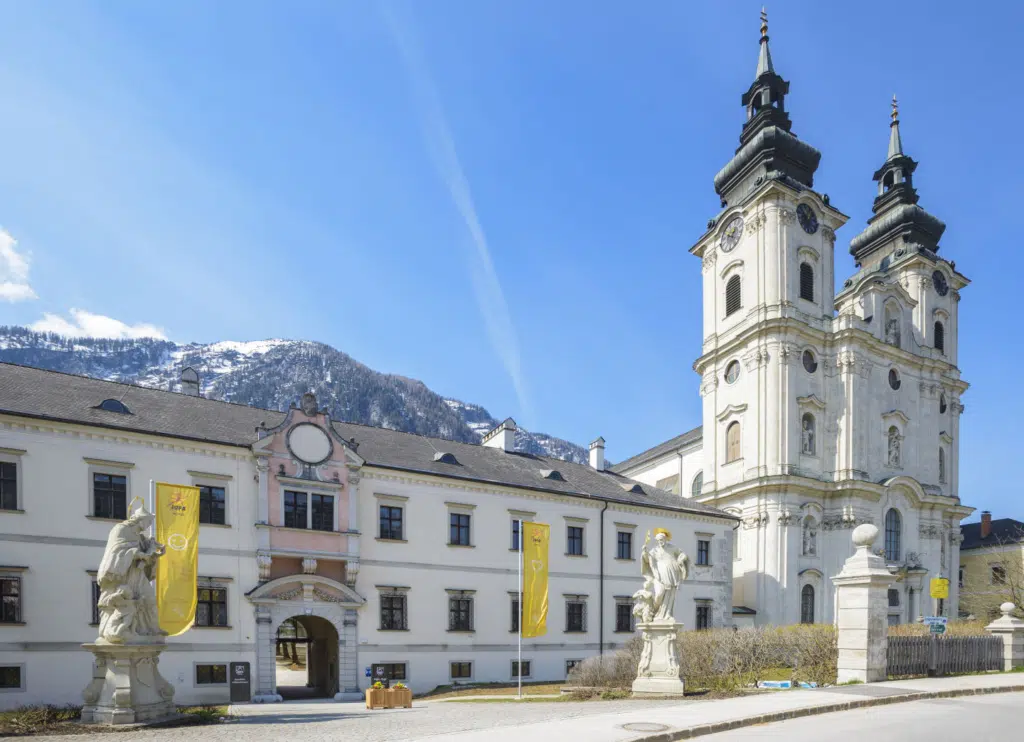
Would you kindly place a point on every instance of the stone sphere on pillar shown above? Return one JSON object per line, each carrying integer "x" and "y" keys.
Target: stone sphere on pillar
{"x": 864, "y": 535}
{"x": 1007, "y": 608}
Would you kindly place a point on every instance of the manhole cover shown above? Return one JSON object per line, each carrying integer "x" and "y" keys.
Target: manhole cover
{"x": 645, "y": 727}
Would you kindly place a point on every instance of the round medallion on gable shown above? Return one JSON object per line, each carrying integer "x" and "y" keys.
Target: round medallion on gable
{"x": 309, "y": 443}
{"x": 732, "y": 233}
{"x": 807, "y": 218}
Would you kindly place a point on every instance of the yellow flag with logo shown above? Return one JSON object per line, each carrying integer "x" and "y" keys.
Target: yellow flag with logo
{"x": 177, "y": 528}
{"x": 535, "y": 579}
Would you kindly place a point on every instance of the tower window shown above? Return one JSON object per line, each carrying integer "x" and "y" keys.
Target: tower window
{"x": 942, "y": 404}
{"x": 733, "y": 295}
{"x": 940, "y": 337}
{"x": 810, "y": 365}
{"x": 732, "y": 372}
{"x": 732, "y": 443}
{"x": 806, "y": 282}
{"x": 893, "y": 535}
{"x": 894, "y": 379}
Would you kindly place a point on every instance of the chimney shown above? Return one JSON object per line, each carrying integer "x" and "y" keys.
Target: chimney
{"x": 503, "y": 436}
{"x": 597, "y": 454}
{"x": 190, "y": 382}
{"x": 986, "y": 523}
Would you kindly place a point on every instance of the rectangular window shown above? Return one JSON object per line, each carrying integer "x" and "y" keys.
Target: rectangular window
{"x": 392, "y": 613}
{"x": 574, "y": 541}
{"x": 998, "y": 574}
{"x": 323, "y": 512}
{"x": 460, "y": 614}
{"x": 295, "y": 510}
{"x": 212, "y": 608}
{"x": 623, "y": 618}
{"x": 894, "y": 598}
{"x": 624, "y": 545}
{"x": 515, "y": 535}
{"x": 391, "y": 522}
{"x": 571, "y": 665}
{"x": 10, "y": 677}
{"x": 211, "y": 505}
{"x": 575, "y": 613}
{"x": 110, "y": 496}
{"x": 211, "y": 674}
{"x": 515, "y": 614}
{"x": 703, "y": 616}
{"x": 10, "y": 600}
{"x": 960, "y": 578}
{"x": 392, "y": 671}
{"x": 458, "y": 529}
{"x": 703, "y": 552}
{"x": 526, "y": 669}
{"x": 8, "y": 486}
{"x": 461, "y": 670}
{"x": 95, "y": 590}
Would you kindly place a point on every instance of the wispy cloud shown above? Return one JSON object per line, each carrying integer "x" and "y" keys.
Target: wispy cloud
{"x": 486, "y": 286}
{"x": 87, "y": 324}
{"x": 14, "y": 285}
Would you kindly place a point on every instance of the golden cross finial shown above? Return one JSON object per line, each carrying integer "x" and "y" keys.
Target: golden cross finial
{"x": 895, "y": 109}
{"x": 764, "y": 22}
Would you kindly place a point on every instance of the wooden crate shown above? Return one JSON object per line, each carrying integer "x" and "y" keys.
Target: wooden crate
{"x": 376, "y": 698}
{"x": 399, "y": 698}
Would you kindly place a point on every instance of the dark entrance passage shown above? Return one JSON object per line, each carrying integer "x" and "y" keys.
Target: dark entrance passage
{"x": 307, "y": 658}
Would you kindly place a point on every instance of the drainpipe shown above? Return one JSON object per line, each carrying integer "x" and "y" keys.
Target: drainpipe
{"x": 600, "y": 590}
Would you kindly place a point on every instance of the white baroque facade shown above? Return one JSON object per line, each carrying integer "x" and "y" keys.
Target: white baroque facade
{"x": 822, "y": 411}
{"x": 386, "y": 548}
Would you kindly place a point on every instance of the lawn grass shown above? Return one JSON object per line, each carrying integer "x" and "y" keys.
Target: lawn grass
{"x": 491, "y": 689}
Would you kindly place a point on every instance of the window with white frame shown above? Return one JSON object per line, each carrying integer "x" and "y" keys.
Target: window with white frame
{"x": 110, "y": 495}
{"x": 460, "y": 524}
{"x": 11, "y": 595}
{"x": 624, "y": 619}
{"x": 575, "y": 614}
{"x": 10, "y": 479}
{"x": 460, "y": 610}
{"x": 308, "y": 510}
{"x": 211, "y": 674}
{"x": 460, "y": 670}
{"x": 525, "y": 669}
{"x": 211, "y": 604}
{"x": 213, "y": 497}
{"x": 394, "y": 608}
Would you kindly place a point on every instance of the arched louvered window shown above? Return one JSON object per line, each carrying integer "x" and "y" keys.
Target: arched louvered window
{"x": 732, "y": 442}
{"x": 733, "y": 295}
{"x": 807, "y": 604}
{"x": 893, "y": 535}
{"x": 940, "y": 337}
{"x": 806, "y": 282}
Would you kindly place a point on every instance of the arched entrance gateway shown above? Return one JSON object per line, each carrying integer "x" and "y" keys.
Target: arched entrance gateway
{"x": 306, "y": 639}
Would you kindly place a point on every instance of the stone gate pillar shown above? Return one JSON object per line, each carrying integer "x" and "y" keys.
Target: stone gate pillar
{"x": 862, "y": 600}
{"x": 1011, "y": 631}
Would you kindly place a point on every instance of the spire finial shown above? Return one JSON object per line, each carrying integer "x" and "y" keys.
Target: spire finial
{"x": 764, "y": 57}
{"x": 764, "y": 23}
{"x": 895, "y": 110}
{"x": 895, "y": 141}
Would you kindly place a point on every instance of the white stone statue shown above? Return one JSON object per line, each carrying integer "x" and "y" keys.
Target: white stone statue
{"x": 807, "y": 437}
{"x": 127, "y": 601}
{"x": 894, "y": 448}
{"x": 663, "y": 566}
{"x": 892, "y": 331}
{"x": 810, "y": 537}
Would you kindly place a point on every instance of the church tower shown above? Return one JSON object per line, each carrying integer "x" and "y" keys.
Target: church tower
{"x": 768, "y": 277}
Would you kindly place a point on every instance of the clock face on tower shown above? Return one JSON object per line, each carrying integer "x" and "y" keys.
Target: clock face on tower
{"x": 808, "y": 220}
{"x": 732, "y": 233}
{"x": 939, "y": 279}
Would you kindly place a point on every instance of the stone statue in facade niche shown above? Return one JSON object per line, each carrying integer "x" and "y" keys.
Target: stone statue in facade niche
{"x": 810, "y": 538}
{"x": 663, "y": 566}
{"x": 127, "y": 601}
{"x": 892, "y": 331}
{"x": 807, "y": 437}
{"x": 894, "y": 448}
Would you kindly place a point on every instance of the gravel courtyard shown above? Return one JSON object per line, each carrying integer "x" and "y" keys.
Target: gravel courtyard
{"x": 313, "y": 721}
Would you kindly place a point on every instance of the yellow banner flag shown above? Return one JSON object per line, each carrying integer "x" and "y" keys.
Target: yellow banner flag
{"x": 177, "y": 528}
{"x": 535, "y": 579}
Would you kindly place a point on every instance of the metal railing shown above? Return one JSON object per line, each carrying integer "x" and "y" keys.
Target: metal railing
{"x": 909, "y": 656}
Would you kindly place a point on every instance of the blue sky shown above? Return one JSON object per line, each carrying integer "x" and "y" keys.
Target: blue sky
{"x": 494, "y": 197}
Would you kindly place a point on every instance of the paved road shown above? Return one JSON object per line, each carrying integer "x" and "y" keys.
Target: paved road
{"x": 996, "y": 718}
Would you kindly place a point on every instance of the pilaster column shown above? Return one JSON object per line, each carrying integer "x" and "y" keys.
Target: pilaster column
{"x": 862, "y": 606}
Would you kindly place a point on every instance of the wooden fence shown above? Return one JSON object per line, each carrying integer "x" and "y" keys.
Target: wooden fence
{"x": 908, "y": 656}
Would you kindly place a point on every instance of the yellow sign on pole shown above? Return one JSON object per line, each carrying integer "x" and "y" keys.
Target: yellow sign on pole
{"x": 177, "y": 528}
{"x": 940, "y": 588}
{"x": 535, "y": 579}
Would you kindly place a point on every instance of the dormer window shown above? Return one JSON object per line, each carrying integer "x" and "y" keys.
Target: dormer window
{"x": 444, "y": 457}
{"x": 552, "y": 474}
{"x": 114, "y": 405}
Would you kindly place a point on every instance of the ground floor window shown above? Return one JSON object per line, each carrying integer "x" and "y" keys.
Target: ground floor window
{"x": 10, "y": 677}
{"x": 211, "y": 674}
{"x": 571, "y": 665}
{"x": 703, "y": 616}
{"x": 807, "y": 604}
{"x": 392, "y": 671}
{"x": 623, "y": 617}
{"x": 212, "y": 607}
{"x": 526, "y": 669}
{"x": 461, "y": 670}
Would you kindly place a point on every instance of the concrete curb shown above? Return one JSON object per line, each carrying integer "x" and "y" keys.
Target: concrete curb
{"x": 726, "y": 726}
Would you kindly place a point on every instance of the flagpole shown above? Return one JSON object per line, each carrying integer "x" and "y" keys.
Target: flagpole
{"x": 519, "y": 666}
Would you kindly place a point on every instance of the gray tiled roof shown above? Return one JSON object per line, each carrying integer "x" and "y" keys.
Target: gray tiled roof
{"x": 1003, "y": 531}
{"x": 57, "y": 396}
{"x": 690, "y": 436}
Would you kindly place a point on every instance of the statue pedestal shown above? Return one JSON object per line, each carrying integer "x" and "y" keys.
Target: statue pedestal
{"x": 658, "y": 672}
{"x": 126, "y": 686}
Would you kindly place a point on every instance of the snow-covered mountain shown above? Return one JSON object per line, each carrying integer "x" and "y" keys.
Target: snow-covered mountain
{"x": 273, "y": 374}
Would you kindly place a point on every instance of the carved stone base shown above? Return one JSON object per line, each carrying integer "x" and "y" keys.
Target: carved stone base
{"x": 658, "y": 672}
{"x": 126, "y": 686}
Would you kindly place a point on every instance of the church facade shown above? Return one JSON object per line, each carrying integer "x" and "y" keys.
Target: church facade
{"x": 821, "y": 410}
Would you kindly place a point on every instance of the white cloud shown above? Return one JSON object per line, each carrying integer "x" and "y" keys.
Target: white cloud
{"x": 14, "y": 285}
{"x": 486, "y": 285}
{"x": 87, "y": 324}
